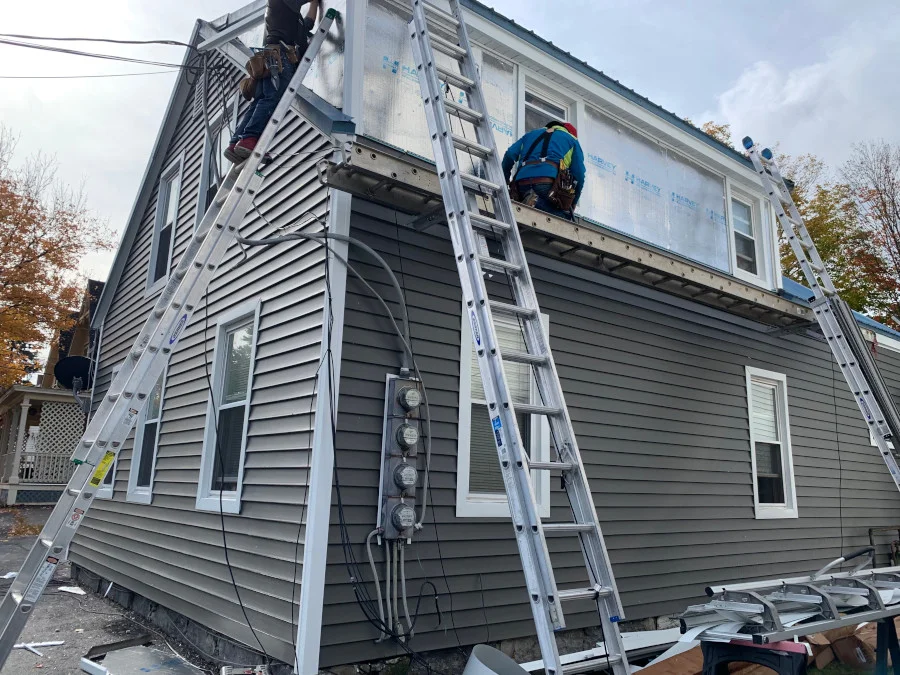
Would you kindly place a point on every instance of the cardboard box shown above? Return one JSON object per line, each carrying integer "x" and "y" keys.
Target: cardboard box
{"x": 852, "y": 651}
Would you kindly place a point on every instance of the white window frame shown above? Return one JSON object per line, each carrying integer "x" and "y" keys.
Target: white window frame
{"x": 175, "y": 168}
{"x": 215, "y": 123}
{"x": 207, "y": 498}
{"x": 484, "y": 505}
{"x": 527, "y": 84}
{"x": 779, "y": 381}
{"x": 106, "y": 491}
{"x": 144, "y": 494}
{"x": 761, "y": 238}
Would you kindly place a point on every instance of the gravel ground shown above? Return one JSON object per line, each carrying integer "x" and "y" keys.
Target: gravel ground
{"x": 82, "y": 621}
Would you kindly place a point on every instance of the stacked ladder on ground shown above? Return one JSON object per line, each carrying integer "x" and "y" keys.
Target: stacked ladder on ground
{"x": 468, "y": 229}
{"x": 834, "y": 316}
{"x": 127, "y": 395}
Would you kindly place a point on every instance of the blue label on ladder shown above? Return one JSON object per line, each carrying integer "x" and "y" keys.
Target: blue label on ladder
{"x": 498, "y": 427}
{"x": 476, "y": 334}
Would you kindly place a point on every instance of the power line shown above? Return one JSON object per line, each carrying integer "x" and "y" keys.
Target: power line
{"x": 76, "y": 77}
{"x": 171, "y": 43}
{"x": 76, "y": 52}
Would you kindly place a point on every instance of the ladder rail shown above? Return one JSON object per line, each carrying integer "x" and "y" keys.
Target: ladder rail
{"x": 116, "y": 415}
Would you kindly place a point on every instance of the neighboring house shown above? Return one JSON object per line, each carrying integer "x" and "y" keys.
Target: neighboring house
{"x": 41, "y": 425}
{"x": 719, "y": 436}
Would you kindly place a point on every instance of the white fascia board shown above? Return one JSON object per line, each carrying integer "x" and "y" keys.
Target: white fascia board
{"x": 237, "y": 15}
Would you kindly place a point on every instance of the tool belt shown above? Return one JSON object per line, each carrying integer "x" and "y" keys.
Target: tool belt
{"x": 562, "y": 187}
{"x": 266, "y": 63}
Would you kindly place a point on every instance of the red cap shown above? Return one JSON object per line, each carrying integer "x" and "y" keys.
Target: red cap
{"x": 571, "y": 129}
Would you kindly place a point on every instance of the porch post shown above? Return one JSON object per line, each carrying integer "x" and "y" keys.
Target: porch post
{"x": 17, "y": 455}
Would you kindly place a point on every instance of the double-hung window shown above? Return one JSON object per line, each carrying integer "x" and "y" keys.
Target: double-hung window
{"x": 539, "y": 111}
{"x": 774, "y": 493}
{"x": 146, "y": 441}
{"x": 225, "y": 441}
{"x": 480, "y": 491}
{"x": 745, "y": 236}
{"x": 165, "y": 225}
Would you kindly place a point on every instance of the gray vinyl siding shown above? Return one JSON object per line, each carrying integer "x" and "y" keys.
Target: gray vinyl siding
{"x": 169, "y": 551}
{"x": 656, "y": 389}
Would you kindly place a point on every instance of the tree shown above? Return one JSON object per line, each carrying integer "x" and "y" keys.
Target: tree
{"x": 721, "y": 132}
{"x": 834, "y": 220}
{"x": 873, "y": 174}
{"x": 45, "y": 230}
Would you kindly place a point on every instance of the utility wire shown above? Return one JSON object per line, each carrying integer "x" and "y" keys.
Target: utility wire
{"x": 109, "y": 57}
{"x": 78, "y": 77}
{"x": 172, "y": 43}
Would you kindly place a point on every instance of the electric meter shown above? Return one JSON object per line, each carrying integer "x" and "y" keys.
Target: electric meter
{"x": 405, "y": 476}
{"x": 407, "y": 435}
{"x": 409, "y": 398}
{"x": 403, "y": 516}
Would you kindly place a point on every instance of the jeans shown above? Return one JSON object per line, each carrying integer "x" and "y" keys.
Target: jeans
{"x": 542, "y": 190}
{"x": 264, "y": 102}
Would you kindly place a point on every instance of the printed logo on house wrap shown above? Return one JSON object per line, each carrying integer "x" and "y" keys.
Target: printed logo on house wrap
{"x": 498, "y": 428}
{"x": 681, "y": 200}
{"x": 600, "y": 163}
{"x": 75, "y": 518}
{"x": 476, "y": 334}
{"x": 643, "y": 184}
{"x": 178, "y": 328}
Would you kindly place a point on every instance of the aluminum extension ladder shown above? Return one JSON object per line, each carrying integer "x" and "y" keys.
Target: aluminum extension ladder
{"x": 116, "y": 415}
{"x": 834, "y": 316}
{"x": 459, "y": 190}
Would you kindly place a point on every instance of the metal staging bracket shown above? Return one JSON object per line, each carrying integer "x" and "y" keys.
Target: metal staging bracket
{"x": 400, "y": 181}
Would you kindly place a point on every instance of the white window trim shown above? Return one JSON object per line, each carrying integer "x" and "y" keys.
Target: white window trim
{"x": 759, "y": 214}
{"x": 529, "y": 82}
{"x": 144, "y": 494}
{"x": 215, "y": 123}
{"x": 789, "y": 509}
{"x": 176, "y": 167}
{"x": 106, "y": 491}
{"x": 208, "y": 499}
{"x": 494, "y": 505}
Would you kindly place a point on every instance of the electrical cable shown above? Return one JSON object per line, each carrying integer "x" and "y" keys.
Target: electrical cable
{"x": 221, "y": 462}
{"x": 409, "y": 625}
{"x": 375, "y": 576}
{"x": 172, "y": 43}
{"x": 81, "y": 77}
{"x": 94, "y": 55}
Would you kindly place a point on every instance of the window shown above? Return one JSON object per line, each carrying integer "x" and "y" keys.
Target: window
{"x": 745, "y": 249}
{"x": 215, "y": 166}
{"x": 146, "y": 440}
{"x": 221, "y": 467}
{"x": 480, "y": 491}
{"x": 105, "y": 491}
{"x": 774, "y": 493}
{"x": 539, "y": 111}
{"x": 165, "y": 224}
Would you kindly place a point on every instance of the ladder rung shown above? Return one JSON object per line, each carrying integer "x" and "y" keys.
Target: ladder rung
{"x": 499, "y": 265}
{"x": 470, "y": 146}
{"x": 438, "y": 13}
{"x": 487, "y": 223}
{"x": 473, "y": 182}
{"x": 463, "y": 111}
{"x": 531, "y": 409}
{"x": 568, "y": 528}
{"x": 514, "y": 310}
{"x": 524, "y": 357}
{"x": 591, "y": 665}
{"x": 447, "y": 47}
{"x": 455, "y": 79}
{"x": 551, "y": 466}
{"x": 584, "y": 593}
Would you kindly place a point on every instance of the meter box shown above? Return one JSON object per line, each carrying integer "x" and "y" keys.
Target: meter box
{"x": 400, "y": 447}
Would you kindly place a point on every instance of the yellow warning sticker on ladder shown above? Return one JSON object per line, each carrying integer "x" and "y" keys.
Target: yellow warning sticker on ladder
{"x": 102, "y": 468}
{"x": 41, "y": 579}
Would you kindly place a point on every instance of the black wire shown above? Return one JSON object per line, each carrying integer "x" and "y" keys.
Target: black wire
{"x": 94, "y": 55}
{"x": 81, "y": 77}
{"x": 174, "y": 43}
{"x": 221, "y": 462}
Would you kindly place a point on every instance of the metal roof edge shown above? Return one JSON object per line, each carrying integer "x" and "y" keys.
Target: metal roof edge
{"x": 800, "y": 293}
{"x": 598, "y": 76}
{"x": 163, "y": 136}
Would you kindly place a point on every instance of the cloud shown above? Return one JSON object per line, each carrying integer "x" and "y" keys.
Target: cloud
{"x": 822, "y": 107}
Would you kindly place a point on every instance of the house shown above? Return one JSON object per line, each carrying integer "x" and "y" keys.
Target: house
{"x": 719, "y": 436}
{"x": 40, "y": 425}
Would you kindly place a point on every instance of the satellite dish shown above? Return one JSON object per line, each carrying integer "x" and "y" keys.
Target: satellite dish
{"x": 68, "y": 369}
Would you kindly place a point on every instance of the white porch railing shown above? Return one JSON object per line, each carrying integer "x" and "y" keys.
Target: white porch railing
{"x": 40, "y": 467}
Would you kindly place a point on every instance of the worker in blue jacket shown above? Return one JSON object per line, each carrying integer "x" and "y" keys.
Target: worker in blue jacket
{"x": 549, "y": 171}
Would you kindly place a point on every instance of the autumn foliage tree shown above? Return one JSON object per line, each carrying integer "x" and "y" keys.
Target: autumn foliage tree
{"x": 45, "y": 230}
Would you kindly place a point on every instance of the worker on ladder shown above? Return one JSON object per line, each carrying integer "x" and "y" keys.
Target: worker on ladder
{"x": 549, "y": 171}
{"x": 270, "y": 70}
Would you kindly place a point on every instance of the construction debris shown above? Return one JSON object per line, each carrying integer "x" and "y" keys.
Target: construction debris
{"x": 137, "y": 661}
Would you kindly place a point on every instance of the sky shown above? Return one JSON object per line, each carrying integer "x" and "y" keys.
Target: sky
{"x": 811, "y": 75}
